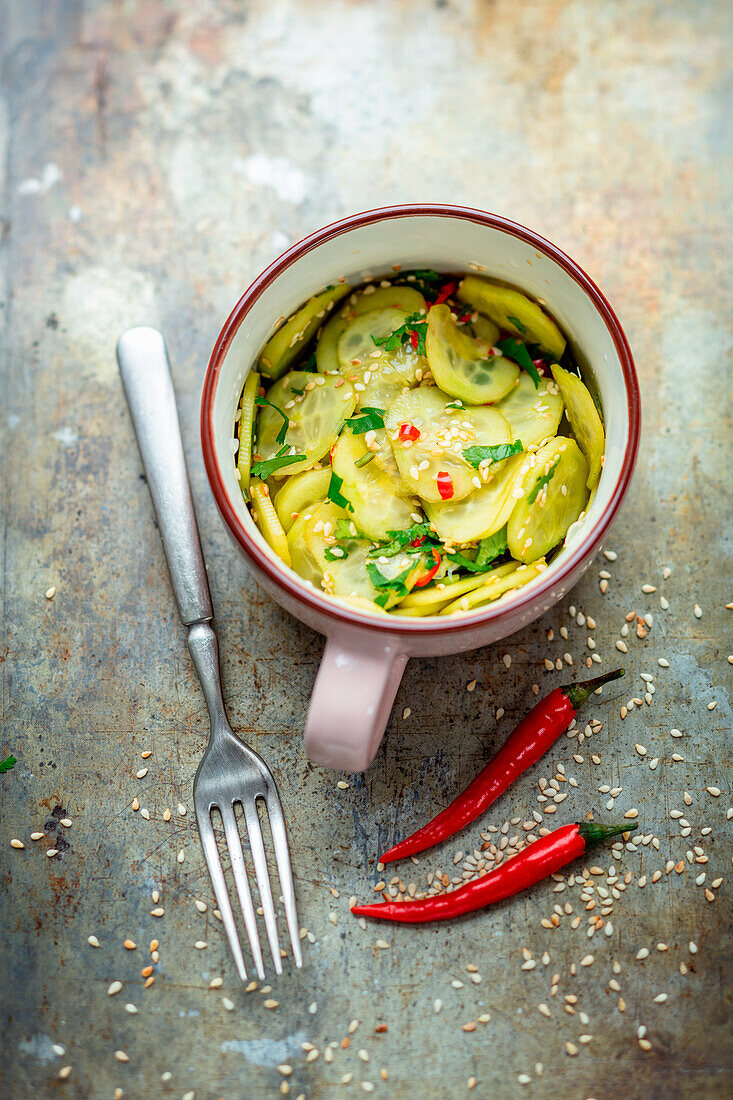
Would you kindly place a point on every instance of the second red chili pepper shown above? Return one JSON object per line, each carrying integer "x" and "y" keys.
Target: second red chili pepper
{"x": 543, "y": 857}
{"x": 530, "y": 740}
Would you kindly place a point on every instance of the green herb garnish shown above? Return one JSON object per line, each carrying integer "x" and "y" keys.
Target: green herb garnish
{"x": 517, "y": 351}
{"x": 8, "y": 763}
{"x": 488, "y": 550}
{"x": 280, "y": 437}
{"x": 389, "y": 584}
{"x": 365, "y": 459}
{"x": 457, "y": 404}
{"x": 427, "y": 281}
{"x": 269, "y": 465}
{"x": 334, "y": 492}
{"x": 542, "y": 480}
{"x": 401, "y": 540}
{"x": 335, "y": 553}
{"x": 517, "y": 324}
{"x": 310, "y": 364}
{"x": 415, "y": 326}
{"x": 477, "y": 455}
{"x": 366, "y": 420}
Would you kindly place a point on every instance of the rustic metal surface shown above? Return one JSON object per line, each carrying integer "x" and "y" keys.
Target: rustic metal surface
{"x": 153, "y": 156}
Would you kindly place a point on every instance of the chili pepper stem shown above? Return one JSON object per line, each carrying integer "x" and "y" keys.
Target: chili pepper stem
{"x": 593, "y": 833}
{"x": 581, "y": 693}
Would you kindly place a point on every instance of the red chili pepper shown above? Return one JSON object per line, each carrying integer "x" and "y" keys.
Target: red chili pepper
{"x": 445, "y": 293}
{"x": 418, "y": 541}
{"x": 543, "y": 857}
{"x": 427, "y": 577}
{"x": 465, "y": 317}
{"x": 540, "y": 364}
{"x": 529, "y": 741}
{"x": 408, "y": 431}
{"x": 414, "y": 340}
{"x": 445, "y": 485}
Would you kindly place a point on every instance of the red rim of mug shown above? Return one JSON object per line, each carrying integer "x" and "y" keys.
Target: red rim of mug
{"x": 281, "y": 575}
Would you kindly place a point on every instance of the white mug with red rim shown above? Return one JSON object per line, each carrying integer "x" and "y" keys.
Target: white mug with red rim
{"x": 365, "y": 653}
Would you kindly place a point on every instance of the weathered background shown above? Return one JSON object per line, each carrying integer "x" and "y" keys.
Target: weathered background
{"x": 153, "y": 157}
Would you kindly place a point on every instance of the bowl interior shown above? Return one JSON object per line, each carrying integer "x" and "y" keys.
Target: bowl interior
{"x": 447, "y": 242}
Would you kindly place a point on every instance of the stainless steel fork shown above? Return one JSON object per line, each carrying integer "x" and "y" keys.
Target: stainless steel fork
{"x": 230, "y": 772}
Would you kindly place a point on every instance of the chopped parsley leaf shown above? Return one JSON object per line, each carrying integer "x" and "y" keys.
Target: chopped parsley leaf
{"x": 269, "y": 465}
{"x": 280, "y": 437}
{"x": 412, "y": 332}
{"x": 335, "y": 553}
{"x": 401, "y": 541}
{"x": 366, "y": 420}
{"x": 427, "y": 281}
{"x": 517, "y": 324}
{"x": 514, "y": 349}
{"x": 477, "y": 455}
{"x": 389, "y": 584}
{"x": 541, "y": 482}
{"x": 334, "y": 492}
{"x": 488, "y": 550}
{"x": 7, "y": 763}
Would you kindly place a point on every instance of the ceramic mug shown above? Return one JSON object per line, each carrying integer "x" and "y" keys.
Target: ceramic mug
{"x": 366, "y": 653}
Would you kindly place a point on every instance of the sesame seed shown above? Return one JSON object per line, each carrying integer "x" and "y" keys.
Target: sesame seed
{"x": 65, "y": 1073}
{"x": 142, "y": 773}
{"x": 182, "y": 809}
{"x": 228, "y": 1005}
{"x": 642, "y": 953}
{"x": 131, "y": 1008}
{"x": 663, "y": 663}
{"x": 50, "y": 592}
{"x": 571, "y": 1049}
{"x": 714, "y": 791}
{"x": 121, "y": 1056}
{"x": 406, "y": 713}
{"x": 130, "y": 945}
{"x": 15, "y": 843}
{"x": 271, "y": 1004}
{"x": 92, "y": 941}
{"x": 66, "y": 822}
{"x": 115, "y": 987}
{"x": 158, "y": 912}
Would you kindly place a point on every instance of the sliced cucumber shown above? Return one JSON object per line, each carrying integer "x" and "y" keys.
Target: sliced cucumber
{"x": 464, "y": 367}
{"x": 267, "y": 520}
{"x": 540, "y": 520}
{"x": 486, "y": 510}
{"x": 312, "y": 545}
{"x": 316, "y": 407}
{"x": 299, "y": 492}
{"x": 245, "y": 426}
{"x": 283, "y": 348}
{"x": 444, "y": 592}
{"x": 356, "y": 345}
{"x": 405, "y": 299}
{"x": 534, "y": 415}
{"x": 584, "y": 420}
{"x": 513, "y": 576}
{"x": 379, "y": 498}
{"x": 444, "y": 434}
{"x": 513, "y": 311}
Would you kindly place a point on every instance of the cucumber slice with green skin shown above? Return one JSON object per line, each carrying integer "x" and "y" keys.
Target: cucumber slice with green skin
{"x": 584, "y": 420}
{"x": 267, "y": 520}
{"x": 515, "y": 576}
{"x": 298, "y": 492}
{"x": 356, "y": 346}
{"x": 378, "y": 498}
{"x": 404, "y": 299}
{"x": 438, "y": 595}
{"x": 245, "y": 427}
{"x": 486, "y": 510}
{"x": 535, "y": 526}
{"x": 464, "y": 367}
{"x": 316, "y": 407}
{"x": 444, "y": 434}
{"x": 282, "y": 349}
{"x": 513, "y": 311}
{"x": 484, "y": 329}
{"x": 534, "y": 415}
{"x": 313, "y": 533}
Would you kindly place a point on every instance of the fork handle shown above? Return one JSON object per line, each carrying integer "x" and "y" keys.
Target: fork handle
{"x": 146, "y": 378}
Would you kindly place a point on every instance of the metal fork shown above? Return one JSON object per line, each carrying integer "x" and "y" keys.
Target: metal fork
{"x": 230, "y": 772}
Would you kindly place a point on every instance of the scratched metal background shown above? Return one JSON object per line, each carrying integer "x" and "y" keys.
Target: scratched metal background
{"x": 188, "y": 144}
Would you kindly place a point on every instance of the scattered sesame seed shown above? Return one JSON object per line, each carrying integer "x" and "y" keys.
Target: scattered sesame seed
{"x": 15, "y": 843}
{"x": 141, "y": 773}
{"x": 342, "y": 785}
{"x": 121, "y": 1056}
{"x": 131, "y": 1008}
{"x": 50, "y": 592}
{"x": 182, "y": 809}
{"x": 406, "y": 713}
{"x": 115, "y": 987}
{"x": 65, "y": 1073}
{"x": 714, "y": 791}
{"x": 663, "y": 663}
{"x": 228, "y": 1005}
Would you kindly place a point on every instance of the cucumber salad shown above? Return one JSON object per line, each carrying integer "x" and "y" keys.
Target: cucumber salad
{"x": 418, "y": 445}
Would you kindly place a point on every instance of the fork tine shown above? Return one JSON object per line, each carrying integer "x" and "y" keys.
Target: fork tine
{"x": 284, "y": 870}
{"x": 211, "y": 852}
{"x": 239, "y": 871}
{"x": 263, "y": 879}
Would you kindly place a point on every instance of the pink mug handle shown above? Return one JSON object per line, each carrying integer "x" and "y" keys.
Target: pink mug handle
{"x": 352, "y": 697}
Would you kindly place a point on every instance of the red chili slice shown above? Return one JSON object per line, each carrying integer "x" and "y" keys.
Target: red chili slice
{"x": 414, "y": 340}
{"x": 540, "y": 364}
{"x": 418, "y": 541}
{"x": 408, "y": 431}
{"x": 427, "y": 577}
{"x": 445, "y": 293}
{"x": 445, "y": 485}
